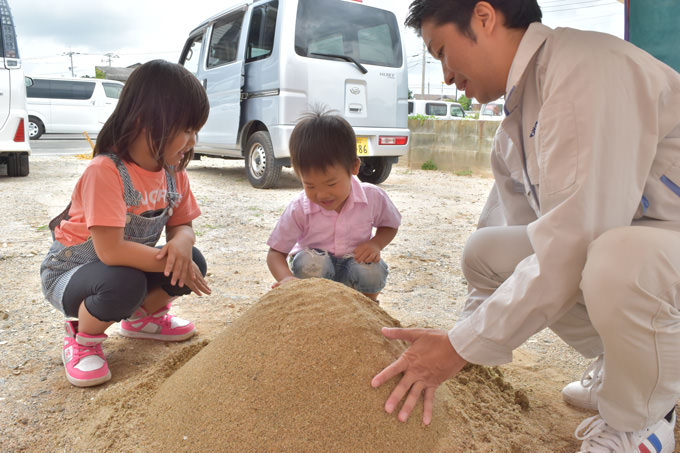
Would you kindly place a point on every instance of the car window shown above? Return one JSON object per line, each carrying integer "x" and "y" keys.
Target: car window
{"x": 457, "y": 110}
{"x": 60, "y": 89}
{"x": 262, "y": 29}
{"x": 191, "y": 54}
{"x": 112, "y": 90}
{"x": 493, "y": 109}
{"x": 435, "y": 109}
{"x": 367, "y": 35}
{"x": 224, "y": 40}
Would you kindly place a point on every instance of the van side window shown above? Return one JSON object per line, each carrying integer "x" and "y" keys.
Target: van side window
{"x": 224, "y": 40}
{"x": 112, "y": 90}
{"x": 191, "y": 54}
{"x": 261, "y": 34}
{"x": 60, "y": 89}
{"x": 39, "y": 89}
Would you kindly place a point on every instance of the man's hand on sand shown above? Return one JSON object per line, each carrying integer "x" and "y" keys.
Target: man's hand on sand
{"x": 429, "y": 361}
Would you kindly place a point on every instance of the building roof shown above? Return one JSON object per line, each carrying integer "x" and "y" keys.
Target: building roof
{"x": 117, "y": 73}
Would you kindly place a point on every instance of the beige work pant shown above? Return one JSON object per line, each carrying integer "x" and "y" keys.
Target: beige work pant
{"x": 628, "y": 308}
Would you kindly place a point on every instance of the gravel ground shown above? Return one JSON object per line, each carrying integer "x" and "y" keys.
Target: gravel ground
{"x": 425, "y": 287}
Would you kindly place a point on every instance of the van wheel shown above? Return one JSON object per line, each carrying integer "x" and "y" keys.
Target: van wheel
{"x": 374, "y": 169}
{"x": 262, "y": 167}
{"x": 35, "y": 128}
{"x": 17, "y": 164}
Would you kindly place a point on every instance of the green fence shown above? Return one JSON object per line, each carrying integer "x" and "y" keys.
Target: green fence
{"x": 654, "y": 25}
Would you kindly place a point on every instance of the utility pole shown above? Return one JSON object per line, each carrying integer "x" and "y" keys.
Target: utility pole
{"x": 109, "y": 56}
{"x": 422, "y": 81}
{"x": 70, "y": 54}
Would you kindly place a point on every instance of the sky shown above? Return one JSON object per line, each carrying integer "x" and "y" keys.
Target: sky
{"x": 125, "y": 32}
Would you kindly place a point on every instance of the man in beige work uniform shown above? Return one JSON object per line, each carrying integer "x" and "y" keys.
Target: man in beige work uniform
{"x": 581, "y": 231}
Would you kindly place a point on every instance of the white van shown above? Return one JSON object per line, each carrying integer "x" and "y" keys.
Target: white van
{"x": 62, "y": 106}
{"x": 438, "y": 109}
{"x": 265, "y": 63}
{"x": 14, "y": 146}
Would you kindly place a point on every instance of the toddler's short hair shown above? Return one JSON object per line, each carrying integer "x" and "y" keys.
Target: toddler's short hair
{"x": 322, "y": 139}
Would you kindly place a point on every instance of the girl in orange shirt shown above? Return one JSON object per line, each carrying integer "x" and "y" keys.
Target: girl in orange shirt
{"x": 104, "y": 266}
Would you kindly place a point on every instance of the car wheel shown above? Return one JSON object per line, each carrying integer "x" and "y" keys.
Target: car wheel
{"x": 262, "y": 168}
{"x": 374, "y": 169}
{"x": 35, "y": 128}
{"x": 17, "y": 164}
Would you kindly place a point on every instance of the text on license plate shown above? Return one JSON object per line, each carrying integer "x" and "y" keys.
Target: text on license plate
{"x": 362, "y": 146}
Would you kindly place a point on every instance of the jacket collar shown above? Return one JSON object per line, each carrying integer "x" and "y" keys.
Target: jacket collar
{"x": 531, "y": 43}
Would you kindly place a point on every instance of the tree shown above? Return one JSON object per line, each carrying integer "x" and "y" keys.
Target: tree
{"x": 465, "y": 102}
{"x": 99, "y": 74}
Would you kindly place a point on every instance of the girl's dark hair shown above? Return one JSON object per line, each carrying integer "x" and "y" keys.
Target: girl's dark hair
{"x": 517, "y": 13}
{"x": 321, "y": 139}
{"x": 161, "y": 98}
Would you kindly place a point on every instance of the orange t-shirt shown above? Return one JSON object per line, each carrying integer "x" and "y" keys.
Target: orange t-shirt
{"x": 97, "y": 199}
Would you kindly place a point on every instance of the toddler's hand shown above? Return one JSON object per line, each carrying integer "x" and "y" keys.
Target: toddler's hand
{"x": 283, "y": 280}
{"x": 367, "y": 252}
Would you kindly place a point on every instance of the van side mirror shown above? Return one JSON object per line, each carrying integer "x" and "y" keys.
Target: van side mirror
{"x": 28, "y": 81}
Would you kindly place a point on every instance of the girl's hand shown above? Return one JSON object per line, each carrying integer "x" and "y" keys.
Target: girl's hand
{"x": 197, "y": 283}
{"x": 283, "y": 280}
{"x": 177, "y": 253}
{"x": 368, "y": 252}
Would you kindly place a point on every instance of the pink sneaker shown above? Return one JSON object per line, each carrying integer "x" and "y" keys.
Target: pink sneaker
{"x": 157, "y": 326}
{"x": 83, "y": 357}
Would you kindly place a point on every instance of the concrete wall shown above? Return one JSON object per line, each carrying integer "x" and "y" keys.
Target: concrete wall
{"x": 453, "y": 145}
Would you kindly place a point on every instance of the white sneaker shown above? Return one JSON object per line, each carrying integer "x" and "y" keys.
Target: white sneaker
{"x": 583, "y": 393}
{"x": 599, "y": 437}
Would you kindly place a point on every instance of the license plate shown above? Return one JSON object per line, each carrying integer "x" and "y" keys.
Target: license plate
{"x": 362, "y": 146}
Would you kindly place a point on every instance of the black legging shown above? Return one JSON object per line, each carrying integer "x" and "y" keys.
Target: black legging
{"x": 112, "y": 293}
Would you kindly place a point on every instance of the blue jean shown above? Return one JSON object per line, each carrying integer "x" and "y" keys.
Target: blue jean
{"x": 368, "y": 278}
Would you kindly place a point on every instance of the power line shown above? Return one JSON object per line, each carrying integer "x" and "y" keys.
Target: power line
{"x": 578, "y": 8}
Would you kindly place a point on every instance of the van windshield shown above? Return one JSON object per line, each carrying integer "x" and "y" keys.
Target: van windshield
{"x": 364, "y": 34}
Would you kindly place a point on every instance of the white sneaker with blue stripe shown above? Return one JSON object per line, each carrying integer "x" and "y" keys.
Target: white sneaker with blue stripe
{"x": 599, "y": 437}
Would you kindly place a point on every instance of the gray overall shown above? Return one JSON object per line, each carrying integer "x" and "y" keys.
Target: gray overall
{"x": 62, "y": 262}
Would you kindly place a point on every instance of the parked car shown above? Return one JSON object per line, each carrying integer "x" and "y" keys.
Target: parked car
{"x": 14, "y": 146}
{"x": 265, "y": 63}
{"x": 61, "y": 105}
{"x": 438, "y": 109}
{"x": 492, "y": 111}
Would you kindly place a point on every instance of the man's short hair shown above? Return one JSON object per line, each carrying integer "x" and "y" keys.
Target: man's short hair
{"x": 517, "y": 13}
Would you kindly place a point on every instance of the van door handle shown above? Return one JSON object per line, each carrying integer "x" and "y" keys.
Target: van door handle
{"x": 205, "y": 83}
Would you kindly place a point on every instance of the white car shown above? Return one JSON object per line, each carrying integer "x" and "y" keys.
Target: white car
{"x": 492, "y": 111}
{"x": 67, "y": 106}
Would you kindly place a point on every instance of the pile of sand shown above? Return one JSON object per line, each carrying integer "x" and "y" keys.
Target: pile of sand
{"x": 293, "y": 374}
